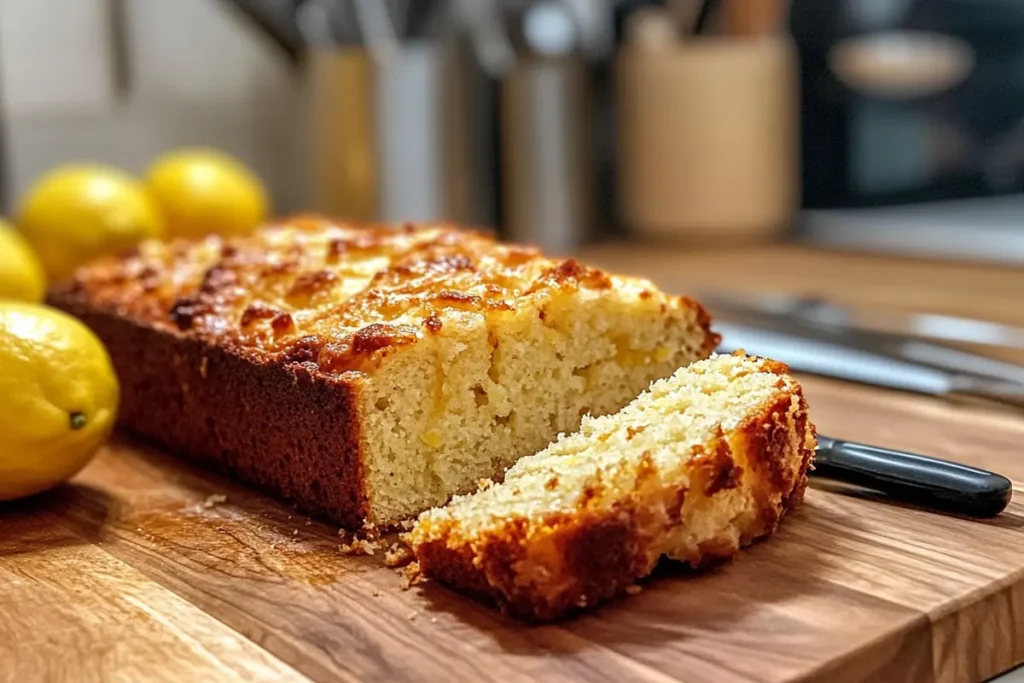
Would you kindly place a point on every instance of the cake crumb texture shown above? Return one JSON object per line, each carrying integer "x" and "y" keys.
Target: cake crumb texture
{"x": 703, "y": 463}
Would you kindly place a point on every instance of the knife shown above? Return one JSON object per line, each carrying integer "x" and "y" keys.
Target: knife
{"x": 949, "y": 328}
{"x": 805, "y": 348}
{"x": 927, "y": 482}
{"x": 834, "y": 322}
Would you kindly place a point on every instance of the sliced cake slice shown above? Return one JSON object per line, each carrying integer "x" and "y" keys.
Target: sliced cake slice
{"x": 703, "y": 463}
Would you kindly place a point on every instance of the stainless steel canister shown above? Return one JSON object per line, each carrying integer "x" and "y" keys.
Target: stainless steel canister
{"x": 399, "y": 131}
{"x": 546, "y": 137}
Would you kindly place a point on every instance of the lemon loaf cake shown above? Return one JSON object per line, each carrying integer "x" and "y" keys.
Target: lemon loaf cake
{"x": 703, "y": 463}
{"x": 369, "y": 373}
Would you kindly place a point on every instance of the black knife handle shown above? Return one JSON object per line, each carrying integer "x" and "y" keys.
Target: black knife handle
{"x": 916, "y": 479}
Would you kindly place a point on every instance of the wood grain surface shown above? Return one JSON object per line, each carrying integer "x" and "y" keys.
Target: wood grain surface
{"x": 125, "y": 574}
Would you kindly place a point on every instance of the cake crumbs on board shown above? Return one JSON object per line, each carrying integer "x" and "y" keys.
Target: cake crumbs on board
{"x": 359, "y": 546}
{"x": 213, "y": 500}
{"x": 365, "y": 546}
{"x": 367, "y": 540}
{"x": 411, "y": 575}
{"x": 398, "y": 555}
{"x": 210, "y": 502}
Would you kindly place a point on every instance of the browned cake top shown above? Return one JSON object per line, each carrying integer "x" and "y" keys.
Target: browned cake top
{"x": 313, "y": 291}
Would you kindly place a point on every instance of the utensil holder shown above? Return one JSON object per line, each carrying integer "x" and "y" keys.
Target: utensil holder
{"x": 708, "y": 139}
{"x": 396, "y": 139}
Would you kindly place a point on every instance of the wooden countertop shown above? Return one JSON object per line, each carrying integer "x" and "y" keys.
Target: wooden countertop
{"x": 127, "y": 575}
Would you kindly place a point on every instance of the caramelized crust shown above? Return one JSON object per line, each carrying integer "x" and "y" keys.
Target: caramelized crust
{"x": 314, "y": 291}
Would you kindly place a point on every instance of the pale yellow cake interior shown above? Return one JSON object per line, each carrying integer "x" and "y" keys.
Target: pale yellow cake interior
{"x": 464, "y": 404}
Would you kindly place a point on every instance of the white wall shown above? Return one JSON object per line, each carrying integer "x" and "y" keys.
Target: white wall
{"x": 54, "y": 55}
{"x": 200, "y": 75}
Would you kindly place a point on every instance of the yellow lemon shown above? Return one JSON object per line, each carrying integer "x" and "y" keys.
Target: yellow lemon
{"x": 58, "y": 398}
{"x": 75, "y": 213}
{"x": 202, "y": 192}
{"x": 21, "y": 273}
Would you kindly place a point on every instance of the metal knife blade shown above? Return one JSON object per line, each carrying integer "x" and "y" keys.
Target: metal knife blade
{"x": 821, "y": 353}
{"x": 817, "y": 311}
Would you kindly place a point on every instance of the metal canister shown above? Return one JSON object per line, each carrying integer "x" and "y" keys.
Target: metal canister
{"x": 399, "y": 132}
{"x": 546, "y": 134}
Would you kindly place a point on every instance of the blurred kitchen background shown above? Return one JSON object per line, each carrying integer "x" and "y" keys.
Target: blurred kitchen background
{"x": 878, "y": 125}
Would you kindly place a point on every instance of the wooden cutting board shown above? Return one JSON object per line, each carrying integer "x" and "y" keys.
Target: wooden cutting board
{"x": 126, "y": 575}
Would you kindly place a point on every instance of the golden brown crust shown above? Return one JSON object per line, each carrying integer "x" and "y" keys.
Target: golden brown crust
{"x": 315, "y": 291}
{"x": 712, "y": 339}
{"x": 600, "y": 552}
{"x": 288, "y": 431}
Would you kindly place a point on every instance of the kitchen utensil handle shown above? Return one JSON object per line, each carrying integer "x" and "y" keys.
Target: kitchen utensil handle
{"x": 928, "y": 482}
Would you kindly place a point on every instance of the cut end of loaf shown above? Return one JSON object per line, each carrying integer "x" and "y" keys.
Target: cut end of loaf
{"x": 467, "y": 401}
{"x": 704, "y": 463}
